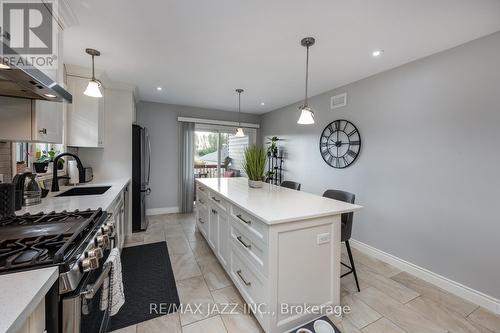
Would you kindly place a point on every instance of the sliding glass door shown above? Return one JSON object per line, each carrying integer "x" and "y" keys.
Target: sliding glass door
{"x": 218, "y": 152}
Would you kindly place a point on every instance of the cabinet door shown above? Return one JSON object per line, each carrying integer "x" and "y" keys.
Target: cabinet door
{"x": 85, "y": 116}
{"x": 15, "y": 119}
{"x": 224, "y": 239}
{"x": 47, "y": 121}
{"x": 213, "y": 234}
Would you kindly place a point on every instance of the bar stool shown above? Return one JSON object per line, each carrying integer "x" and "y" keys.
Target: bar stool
{"x": 290, "y": 184}
{"x": 346, "y": 227}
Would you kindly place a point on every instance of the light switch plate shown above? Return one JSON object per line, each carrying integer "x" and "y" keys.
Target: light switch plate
{"x": 323, "y": 238}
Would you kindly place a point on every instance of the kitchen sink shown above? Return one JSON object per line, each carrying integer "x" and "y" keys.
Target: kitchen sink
{"x": 91, "y": 190}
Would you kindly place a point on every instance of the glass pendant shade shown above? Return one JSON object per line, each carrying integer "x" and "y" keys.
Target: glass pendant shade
{"x": 306, "y": 116}
{"x": 93, "y": 89}
{"x": 239, "y": 133}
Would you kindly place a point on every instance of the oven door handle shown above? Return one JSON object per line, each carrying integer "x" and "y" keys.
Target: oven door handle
{"x": 90, "y": 291}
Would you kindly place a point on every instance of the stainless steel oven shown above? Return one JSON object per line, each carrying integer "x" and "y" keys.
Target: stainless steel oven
{"x": 81, "y": 308}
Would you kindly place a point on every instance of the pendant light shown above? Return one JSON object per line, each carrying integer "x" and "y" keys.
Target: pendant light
{"x": 239, "y": 131}
{"x": 306, "y": 113}
{"x": 94, "y": 86}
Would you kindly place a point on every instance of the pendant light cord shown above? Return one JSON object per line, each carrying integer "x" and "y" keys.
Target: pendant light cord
{"x": 307, "y": 74}
{"x": 239, "y": 108}
{"x": 93, "y": 75}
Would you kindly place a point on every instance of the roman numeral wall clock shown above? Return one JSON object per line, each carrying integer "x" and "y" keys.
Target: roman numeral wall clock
{"x": 340, "y": 144}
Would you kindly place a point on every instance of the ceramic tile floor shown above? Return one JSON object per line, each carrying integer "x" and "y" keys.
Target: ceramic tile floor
{"x": 390, "y": 301}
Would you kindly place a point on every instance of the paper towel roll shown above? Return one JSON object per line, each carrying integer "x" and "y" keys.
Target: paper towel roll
{"x": 73, "y": 172}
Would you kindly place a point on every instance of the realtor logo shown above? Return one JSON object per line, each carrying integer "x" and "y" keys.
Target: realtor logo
{"x": 28, "y": 31}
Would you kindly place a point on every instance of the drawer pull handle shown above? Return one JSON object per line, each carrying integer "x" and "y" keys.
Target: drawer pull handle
{"x": 215, "y": 199}
{"x": 241, "y": 218}
{"x": 201, "y": 221}
{"x": 242, "y": 278}
{"x": 248, "y": 246}
{"x": 43, "y": 131}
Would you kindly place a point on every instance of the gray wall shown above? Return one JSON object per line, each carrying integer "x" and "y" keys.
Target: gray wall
{"x": 161, "y": 121}
{"x": 427, "y": 174}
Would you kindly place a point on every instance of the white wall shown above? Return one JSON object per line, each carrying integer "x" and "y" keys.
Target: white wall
{"x": 428, "y": 172}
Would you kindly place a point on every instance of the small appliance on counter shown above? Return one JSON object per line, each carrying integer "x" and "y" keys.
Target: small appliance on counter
{"x": 28, "y": 191}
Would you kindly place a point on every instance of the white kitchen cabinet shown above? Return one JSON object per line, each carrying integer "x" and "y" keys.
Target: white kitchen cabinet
{"x": 85, "y": 117}
{"x": 15, "y": 119}
{"x": 36, "y": 321}
{"x": 47, "y": 121}
{"x": 213, "y": 234}
{"x": 269, "y": 250}
{"x": 30, "y": 120}
{"x": 117, "y": 213}
{"x": 223, "y": 246}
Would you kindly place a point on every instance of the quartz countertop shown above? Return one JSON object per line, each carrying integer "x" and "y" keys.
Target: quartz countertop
{"x": 20, "y": 293}
{"x": 57, "y": 204}
{"x": 274, "y": 204}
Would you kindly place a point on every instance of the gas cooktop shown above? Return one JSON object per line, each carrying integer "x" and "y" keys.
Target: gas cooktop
{"x": 28, "y": 241}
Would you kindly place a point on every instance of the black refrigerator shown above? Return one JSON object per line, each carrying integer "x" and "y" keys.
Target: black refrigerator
{"x": 141, "y": 174}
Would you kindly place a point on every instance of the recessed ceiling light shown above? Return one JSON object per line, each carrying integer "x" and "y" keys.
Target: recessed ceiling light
{"x": 50, "y": 95}
{"x": 262, "y": 103}
{"x": 159, "y": 88}
{"x": 377, "y": 53}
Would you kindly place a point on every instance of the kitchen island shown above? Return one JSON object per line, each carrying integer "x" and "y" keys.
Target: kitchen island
{"x": 280, "y": 247}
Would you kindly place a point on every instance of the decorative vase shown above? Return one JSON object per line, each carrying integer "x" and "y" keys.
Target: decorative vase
{"x": 255, "y": 183}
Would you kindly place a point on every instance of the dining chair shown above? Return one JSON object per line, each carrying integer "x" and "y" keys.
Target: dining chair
{"x": 346, "y": 227}
{"x": 290, "y": 184}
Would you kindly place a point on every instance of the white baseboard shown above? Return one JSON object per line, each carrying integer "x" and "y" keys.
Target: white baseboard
{"x": 490, "y": 303}
{"x": 162, "y": 210}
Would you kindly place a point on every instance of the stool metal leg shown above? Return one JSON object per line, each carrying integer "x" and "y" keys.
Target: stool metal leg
{"x": 352, "y": 263}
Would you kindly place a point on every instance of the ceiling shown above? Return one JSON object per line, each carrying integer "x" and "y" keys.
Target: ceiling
{"x": 200, "y": 51}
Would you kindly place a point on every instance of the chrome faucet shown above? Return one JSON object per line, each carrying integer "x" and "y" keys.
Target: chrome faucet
{"x": 55, "y": 178}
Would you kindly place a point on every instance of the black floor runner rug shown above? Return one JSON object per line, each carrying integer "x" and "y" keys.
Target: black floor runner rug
{"x": 148, "y": 283}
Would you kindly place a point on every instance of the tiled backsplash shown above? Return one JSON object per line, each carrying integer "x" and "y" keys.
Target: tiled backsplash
{"x": 6, "y": 161}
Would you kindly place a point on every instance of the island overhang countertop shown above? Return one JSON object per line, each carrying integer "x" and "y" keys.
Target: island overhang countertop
{"x": 274, "y": 204}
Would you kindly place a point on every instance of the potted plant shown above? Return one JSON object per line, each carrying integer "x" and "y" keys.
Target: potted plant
{"x": 52, "y": 154}
{"x": 272, "y": 149}
{"x": 254, "y": 164}
{"x": 41, "y": 165}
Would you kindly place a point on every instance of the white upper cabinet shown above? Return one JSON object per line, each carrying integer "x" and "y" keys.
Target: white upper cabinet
{"x": 85, "y": 117}
{"x": 47, "y": 121}
{"x": 31, "y": 120}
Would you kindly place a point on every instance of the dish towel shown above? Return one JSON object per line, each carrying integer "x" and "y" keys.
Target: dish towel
{"x": 112, "y": 288}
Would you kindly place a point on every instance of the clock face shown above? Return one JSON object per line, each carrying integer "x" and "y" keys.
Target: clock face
{"x": 340, "y": 144}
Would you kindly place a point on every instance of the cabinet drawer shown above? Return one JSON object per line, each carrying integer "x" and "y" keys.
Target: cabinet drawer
{"x": 202, "y": 189}
{"x": 219, "y": 201}
{"x": 202, "y": 220}
{"x": 201, "y": 198}
{"x": 250, "y": 222}
{"x": 254, "y": 250}
{"x": 251, "y": 287}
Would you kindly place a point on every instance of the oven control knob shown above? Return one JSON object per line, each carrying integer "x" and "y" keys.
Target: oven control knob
{"x": 108, "y": 229}
{"x": 89, "y": 264}
{"x": 102, "y": 241}
{"x": 95, "y": 253}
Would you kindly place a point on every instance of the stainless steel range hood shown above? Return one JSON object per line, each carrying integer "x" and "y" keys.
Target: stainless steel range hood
{"x": 30, "y": 82}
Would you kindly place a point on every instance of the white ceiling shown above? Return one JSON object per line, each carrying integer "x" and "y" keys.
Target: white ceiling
{"x": 199, "y": 51}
